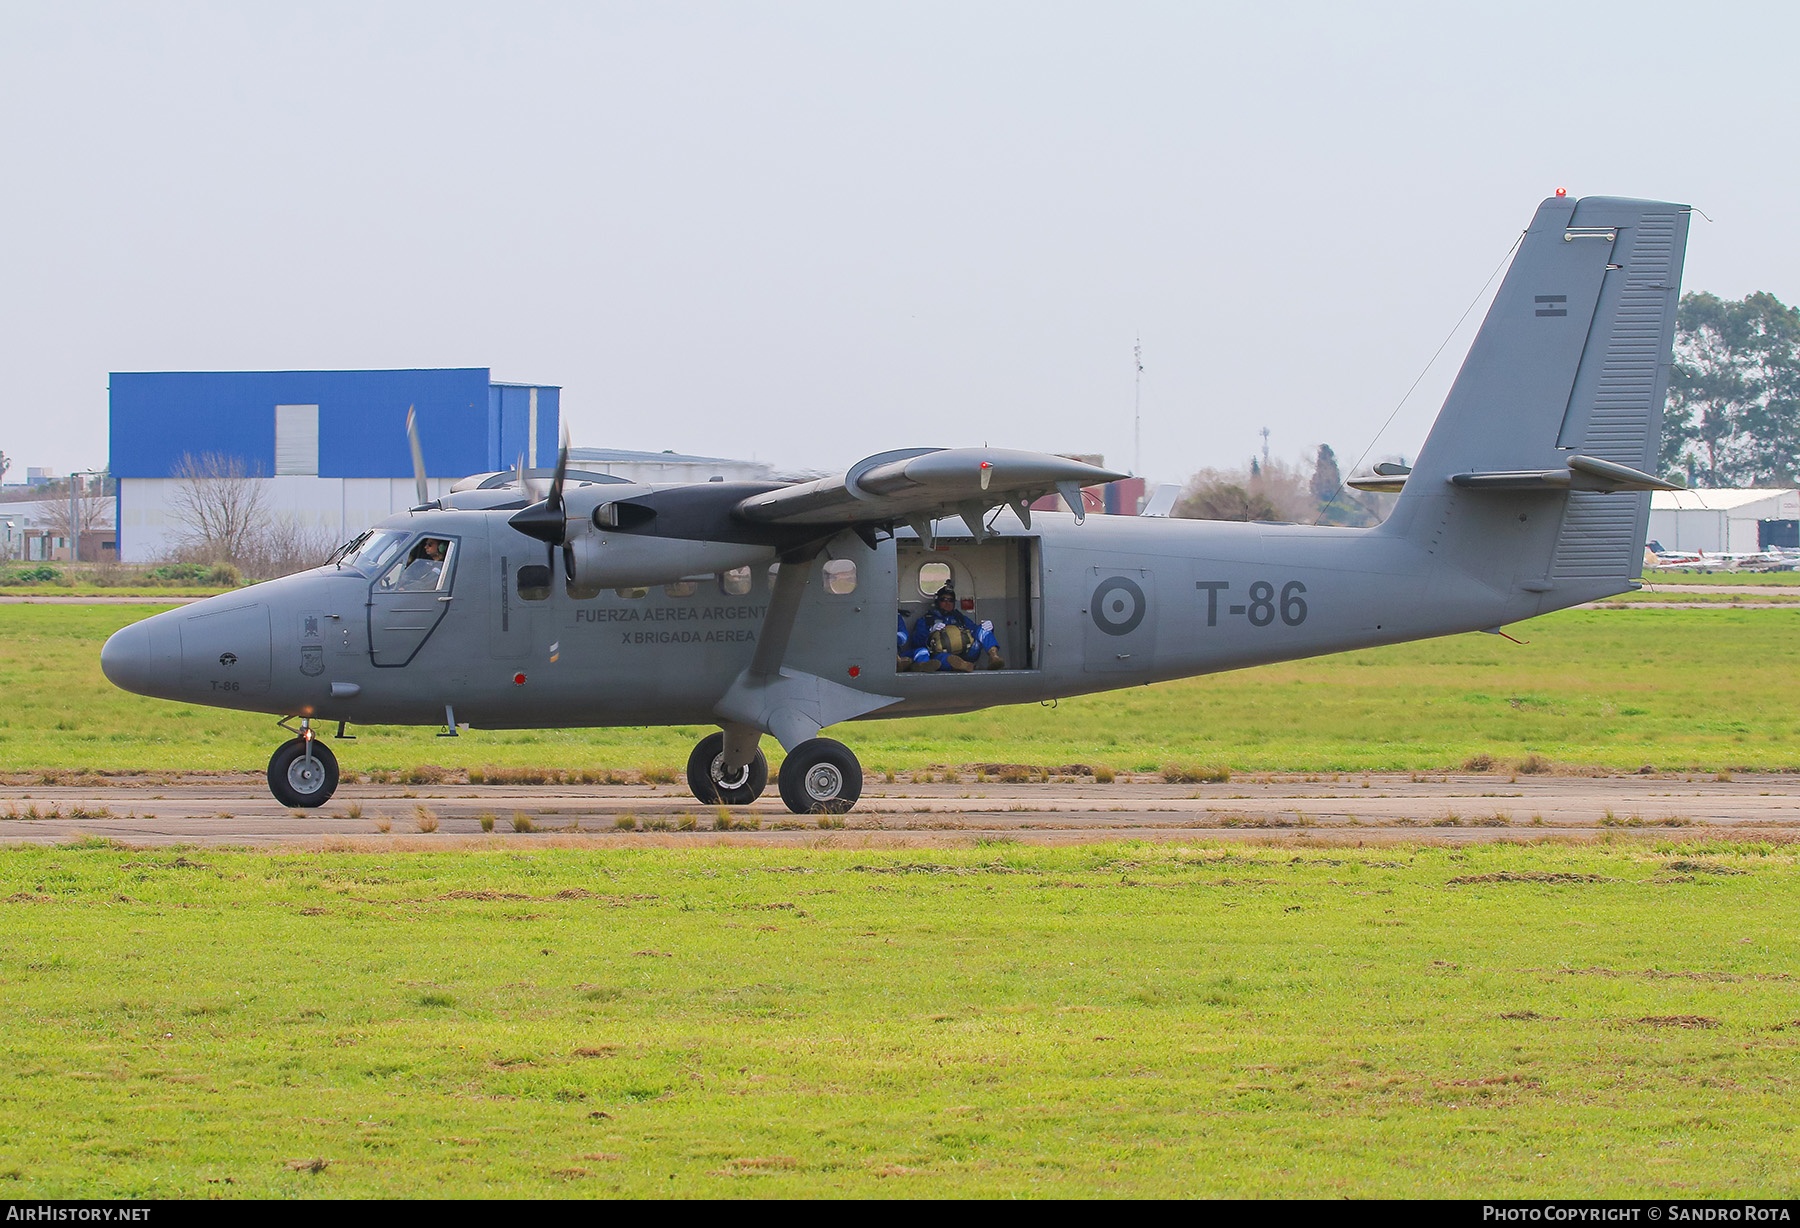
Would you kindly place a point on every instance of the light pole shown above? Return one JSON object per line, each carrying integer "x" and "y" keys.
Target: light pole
{"x": 74, "y": 506}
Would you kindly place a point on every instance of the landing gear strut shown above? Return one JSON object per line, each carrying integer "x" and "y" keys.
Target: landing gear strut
{"x": 820, "y": 776}
{"x": 303, "y": 773}
{"x": 716, "y": 785}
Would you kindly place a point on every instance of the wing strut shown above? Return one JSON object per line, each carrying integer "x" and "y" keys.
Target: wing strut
{"x": 784, "y": 608}
{"x": 791, "y": 705}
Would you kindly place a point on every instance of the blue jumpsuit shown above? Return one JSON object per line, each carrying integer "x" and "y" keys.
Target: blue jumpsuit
{"x": 981, "y": 638}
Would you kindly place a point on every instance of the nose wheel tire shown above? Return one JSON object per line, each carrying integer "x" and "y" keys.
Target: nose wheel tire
{"x": 302, "y": 780}
{"x": 820, "y": 776}
{"x": 712, "y": 783}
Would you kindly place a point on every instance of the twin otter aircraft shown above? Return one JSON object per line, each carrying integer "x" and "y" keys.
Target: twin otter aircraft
{"x": 768, "y": 608}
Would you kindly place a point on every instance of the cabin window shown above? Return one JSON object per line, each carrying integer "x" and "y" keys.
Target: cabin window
{"x": 580, "y": 592}
{"x": 840, "y": 576}
{"x": 534, "y": 583}
{"x": 632, "y": 594}
{"x": 736, "y": 582}
{"x": 681, "y": 588}
{"x": 932, "y": 577}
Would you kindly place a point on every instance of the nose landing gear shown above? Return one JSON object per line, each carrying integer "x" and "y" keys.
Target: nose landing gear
{"x": 303, "y": 772}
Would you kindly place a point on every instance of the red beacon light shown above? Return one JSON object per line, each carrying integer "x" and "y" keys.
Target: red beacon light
{"x": 1562, "y": 191}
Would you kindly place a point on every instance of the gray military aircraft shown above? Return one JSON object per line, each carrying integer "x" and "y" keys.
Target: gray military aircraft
{"x": 769, "y": 608}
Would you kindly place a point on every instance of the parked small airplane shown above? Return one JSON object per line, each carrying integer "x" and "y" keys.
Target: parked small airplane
{"x": 1701, "y": 561}
{"x": 768, "y": 608}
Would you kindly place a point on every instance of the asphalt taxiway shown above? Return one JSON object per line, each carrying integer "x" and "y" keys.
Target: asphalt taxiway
{"x": 1347, "y": 808}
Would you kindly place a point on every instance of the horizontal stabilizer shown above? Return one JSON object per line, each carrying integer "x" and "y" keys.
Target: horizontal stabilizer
{"x": 1377, "y": 484}
{"x": 1583, "y": 473}
{"x": 1389, "y": 479}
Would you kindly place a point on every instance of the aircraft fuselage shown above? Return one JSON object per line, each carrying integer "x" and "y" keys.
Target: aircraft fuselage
{"x": 1114, "y": 602}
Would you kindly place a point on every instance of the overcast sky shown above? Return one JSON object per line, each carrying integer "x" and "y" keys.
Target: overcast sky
{"x": 808, "y": 232}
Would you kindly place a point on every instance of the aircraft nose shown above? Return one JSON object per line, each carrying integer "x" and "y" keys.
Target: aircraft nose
{"x": 125, "y": 657}
{"x": 131, "y": 662}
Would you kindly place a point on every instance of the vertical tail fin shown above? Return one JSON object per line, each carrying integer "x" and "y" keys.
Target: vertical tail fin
{"x": 1571, "y": 362}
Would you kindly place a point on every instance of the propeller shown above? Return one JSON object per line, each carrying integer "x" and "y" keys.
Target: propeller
{"x": 418, "y": 456}
{"x": 546, "y": 520}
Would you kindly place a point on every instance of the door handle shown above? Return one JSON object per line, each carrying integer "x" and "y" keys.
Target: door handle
{"x": 443, "y": 598}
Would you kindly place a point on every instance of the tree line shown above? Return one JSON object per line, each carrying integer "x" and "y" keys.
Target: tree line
{"x": 1733, "y": 414}
{"x": 1271, "y": 489}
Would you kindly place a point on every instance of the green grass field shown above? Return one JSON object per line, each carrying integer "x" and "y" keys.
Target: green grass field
{"x": 1707, "y": 689}
{"x": 1759, "y": 578}
{"x": 1608, "y": 1020}
{"x": 1770, "y": 597}
{"x": 96, "y": 590}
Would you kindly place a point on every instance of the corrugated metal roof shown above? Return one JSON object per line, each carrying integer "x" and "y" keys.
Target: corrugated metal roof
{"x": 1711, "y": 500}
{"x": 623, "y": 456}
{"x": 467, "y": 422}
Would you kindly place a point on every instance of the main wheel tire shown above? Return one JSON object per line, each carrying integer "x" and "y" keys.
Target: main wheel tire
{"x": 710, "y": 783}
{"x": 296, "y": 780}
{"x": 820, "y": 776}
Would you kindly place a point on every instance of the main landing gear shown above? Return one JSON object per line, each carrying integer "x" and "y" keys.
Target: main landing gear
{"x": 717, "y": 785}
{"x": 303, "y": 772}
{"x": 819, "y": 776}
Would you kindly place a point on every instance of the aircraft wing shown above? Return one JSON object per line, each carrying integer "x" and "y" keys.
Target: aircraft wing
{"x": 917, "y": 485}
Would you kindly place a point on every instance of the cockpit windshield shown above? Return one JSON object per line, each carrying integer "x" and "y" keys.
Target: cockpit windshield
{"x": 370, "y": 551}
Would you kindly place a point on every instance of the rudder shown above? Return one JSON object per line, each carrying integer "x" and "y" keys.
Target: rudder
{"x": 1571, "y": 362}
{"x": 1615, "y": 411}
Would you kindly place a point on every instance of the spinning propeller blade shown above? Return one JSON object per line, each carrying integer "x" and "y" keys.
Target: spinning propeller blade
{"x": 418, "y": 456}
{"x": 555, "y": 499}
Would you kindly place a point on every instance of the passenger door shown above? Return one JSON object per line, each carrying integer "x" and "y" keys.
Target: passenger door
{"x": 1119, "y": 622}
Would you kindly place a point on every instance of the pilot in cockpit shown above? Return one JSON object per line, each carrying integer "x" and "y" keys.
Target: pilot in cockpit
{"x": 424, "y": 567}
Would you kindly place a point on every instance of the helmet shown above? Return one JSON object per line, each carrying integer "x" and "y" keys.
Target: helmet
{"x": 943, "y": 593}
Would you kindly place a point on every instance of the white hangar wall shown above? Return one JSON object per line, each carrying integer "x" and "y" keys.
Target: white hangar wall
{"x": 1721, "y": 521}
{"x": 337, "y": 508}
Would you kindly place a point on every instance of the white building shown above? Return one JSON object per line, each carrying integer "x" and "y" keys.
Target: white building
{"x": 1724, "y": 521}
{"x": 37, "y": 530}
{"x": 329, "y": 447}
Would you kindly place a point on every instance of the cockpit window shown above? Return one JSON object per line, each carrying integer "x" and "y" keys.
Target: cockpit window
{"x": 424, "y": 569}
{"x": 374, "y": 550}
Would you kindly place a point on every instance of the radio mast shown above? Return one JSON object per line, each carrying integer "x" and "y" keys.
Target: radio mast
{"x": 1137, "y": 395}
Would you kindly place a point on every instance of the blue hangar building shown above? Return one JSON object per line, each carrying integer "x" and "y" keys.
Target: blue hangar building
{"x": 327, "y": 448}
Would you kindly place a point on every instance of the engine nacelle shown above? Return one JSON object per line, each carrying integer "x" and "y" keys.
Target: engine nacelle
{"x": 598, "y": 560}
